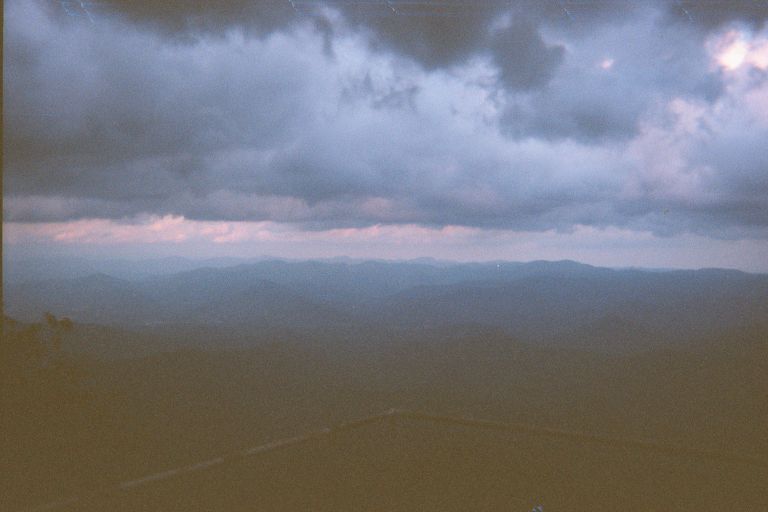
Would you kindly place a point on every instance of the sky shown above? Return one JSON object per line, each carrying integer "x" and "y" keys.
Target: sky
{"x": 616, "y": 133}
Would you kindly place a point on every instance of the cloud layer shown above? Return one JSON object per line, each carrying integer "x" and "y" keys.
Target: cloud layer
{"x": 649, "y": 118}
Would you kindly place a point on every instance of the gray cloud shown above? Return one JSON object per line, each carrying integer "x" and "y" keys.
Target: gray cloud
{"x": 433, "y": 38}
{"x": 184, "y": 19}
{"x": 524, "y": 60}
{"x": 712, "y": 14}
{"x": 609, "y": 81}
{"x": 514, "y": 124}
{"x": 104, "y": 97}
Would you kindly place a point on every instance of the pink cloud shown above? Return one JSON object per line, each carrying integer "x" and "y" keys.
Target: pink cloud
{"x": 610, "y": 246}
{"x": 177, "y": 229}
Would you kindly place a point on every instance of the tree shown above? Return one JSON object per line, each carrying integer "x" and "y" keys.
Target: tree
{"x": 57, "y": 327}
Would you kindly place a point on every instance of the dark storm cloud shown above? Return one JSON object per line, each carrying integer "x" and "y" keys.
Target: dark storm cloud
{"x": 434, "y": 34}
{"x": 434, "y": 39}
{"x": 186, "y": 18}
{"x": 493, "y": 119}
{"x": 524, "y": 60}
{"x": 711, "y": 14}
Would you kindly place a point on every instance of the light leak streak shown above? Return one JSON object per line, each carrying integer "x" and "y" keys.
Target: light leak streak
{"x": 566, "y": 11}
{"x": 82, "y": 6}
{"x": 685, "y": 11}
{"x": 77, "y": 9}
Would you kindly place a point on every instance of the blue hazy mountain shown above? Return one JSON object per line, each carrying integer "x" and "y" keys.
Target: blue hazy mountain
{"x": 547, "y": 302}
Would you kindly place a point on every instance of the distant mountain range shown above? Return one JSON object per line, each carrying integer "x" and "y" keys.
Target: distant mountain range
{"x": 562, "y": 303}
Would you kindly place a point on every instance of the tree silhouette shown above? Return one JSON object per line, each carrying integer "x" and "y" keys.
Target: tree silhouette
{"x": 57, "y": 327}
